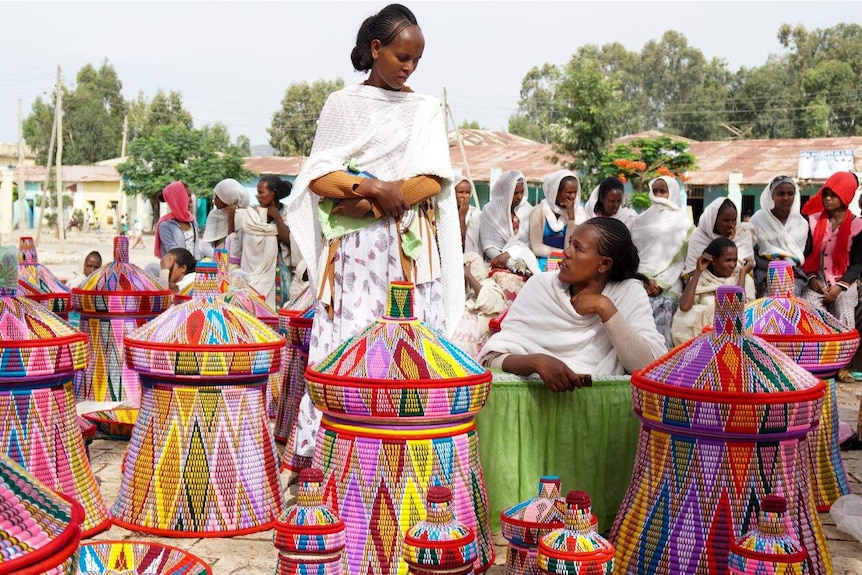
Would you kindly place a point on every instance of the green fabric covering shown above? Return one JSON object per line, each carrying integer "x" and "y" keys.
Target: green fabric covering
{"x": 588, "y": 437}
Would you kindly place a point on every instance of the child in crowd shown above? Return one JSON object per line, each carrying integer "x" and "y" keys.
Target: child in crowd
{"x": 180, "y": 266}
{"x": 715, "y": 267}
{"x": 92, "y": 262}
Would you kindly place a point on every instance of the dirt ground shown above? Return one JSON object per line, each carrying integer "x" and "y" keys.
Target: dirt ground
{"x": 255, "y": 554}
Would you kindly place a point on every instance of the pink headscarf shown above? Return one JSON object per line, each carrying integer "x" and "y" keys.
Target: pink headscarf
{"x": 177, "y": 197}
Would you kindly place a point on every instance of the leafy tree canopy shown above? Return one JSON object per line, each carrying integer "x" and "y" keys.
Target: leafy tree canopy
{"x": 293, "y": 125}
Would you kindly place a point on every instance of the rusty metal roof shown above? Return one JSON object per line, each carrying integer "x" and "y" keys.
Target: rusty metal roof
{"x": 74, "y": 174}
{"x": 281, "y": 165}
{"x": 758, "y": 160}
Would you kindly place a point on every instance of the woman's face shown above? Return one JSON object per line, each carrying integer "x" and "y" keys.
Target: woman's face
{"x": 582, "y": 262}
{"x": 724, "y": 264}
{"x": 177, "y": 272}
{"x": 831, "y": 201}
{"x": 725, "y": 223}
{"x": 265, "y": 196}
{"x": 91, "y": 264}
{"x": 782, "y": 197}
{"x": 463, "y": 190}
{"x": 217, "y": 201}
{"x": 395, "y": 62}
{"x": 659, "y": 189}
{"x": 612, "y": 202}
{"x": 568, "y": 191}
{"x": 518, "y": 196}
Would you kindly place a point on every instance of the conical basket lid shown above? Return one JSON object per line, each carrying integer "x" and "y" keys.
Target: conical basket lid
{"x": 239, "y": 294}
{"x": 205, "y": 337}
{"x": 121, "y": 287}
{"x": 309, "y": 526}
{"x": 407, "y": 357}
{"x": 728, "y": 381}
{"x": 576, "y": 548}
{"x": 33, "y": 341}
{"x": 37, "y": 282}
{"x": 527, "y": 521}
{"x": 37, "y": 525}
{"x": 440, "y": 540}
{"x": 814, "y": 339}
{"x": 768, "y": 544}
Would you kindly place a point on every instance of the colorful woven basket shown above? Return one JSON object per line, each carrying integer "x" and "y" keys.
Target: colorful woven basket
{"x": 298, "y": 341}
{"x": 116, "y": 423}
{"x": 440, "y": 544}
{"x": 309, "y": 536}
{"x": 554, "y": 260}
{"x": 39, "y": 354}
{"x": 398, "y": 404}
{"x": 36, "y": 282}
{"x": 201, "y": 460}
{"x": 113, "y": 302}
{"x": 725, "y": 419}
{"x": 820, "y": 343}
{"x": 576, "y": 548}
{"x": 767, "y": 549}
{"x": 526, "y": 523}
{"x": 241, "y": 295}
{"x": 294, "y": 366}
{"x": 137, "y": 558}
{"x": 39, "y": 529}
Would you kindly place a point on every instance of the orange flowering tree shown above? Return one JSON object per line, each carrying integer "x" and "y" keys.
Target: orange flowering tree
{"x": 643, "y": 159}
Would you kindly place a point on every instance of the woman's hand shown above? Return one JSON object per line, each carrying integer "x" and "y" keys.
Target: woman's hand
{"x": 463, "y": 207}
{"x": 500, "y": 261}
{"x": 703, "y": 262}
{"x": 747, "y": 265}
{"x": 273, "y": 211}
{"x": 818, "y": 286}
{"x": 832, "y": 294}
{"x": 556, "y": 375}
{"x": 594, "y": 303}
{"x": 652, "y": 288}
{"x": 355, "y": 208}
{"x": 387, "y": 195}
{"x": 569, "y": 204}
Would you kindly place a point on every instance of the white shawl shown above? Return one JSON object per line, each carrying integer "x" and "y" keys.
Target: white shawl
{"x": 661, "y": 236}
{"x": 624, "y": 214}
{"x": 259, "y": 252}
{"x": 231, "y": 192}
{"x": 395, "y": 136}
{"x": 496, "y": 229}
{"x": 471, "y": 220}
{"x": 785, "y": 240}
{"x": 543, "y": 320}
{"x": 556, "y": 217}
{"x": 703, "y": 235}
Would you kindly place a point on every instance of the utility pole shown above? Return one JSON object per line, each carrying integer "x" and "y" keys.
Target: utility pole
{"x": 22, "y": 185}
{"x": 47, "y": 180}
{"x": 448, "y": 111}
{"x": 61, "y": 224}
{"x": 122, "y": 204}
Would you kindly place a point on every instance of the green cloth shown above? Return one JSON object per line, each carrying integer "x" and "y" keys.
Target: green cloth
{"x": 336, "y": 225}
{"x": 588, "y": 437}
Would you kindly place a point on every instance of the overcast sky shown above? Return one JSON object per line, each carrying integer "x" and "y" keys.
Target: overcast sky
{"x": 233, "y": 60}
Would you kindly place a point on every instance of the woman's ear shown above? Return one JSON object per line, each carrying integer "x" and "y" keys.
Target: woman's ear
{"x": 605, "y": 264}
{"x": 376, "y": 46}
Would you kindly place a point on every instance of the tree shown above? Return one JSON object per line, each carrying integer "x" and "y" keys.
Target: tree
{"x": 471, "y": 125}
{"x": 145, "y": 117}
{"x": 244, "y": 145}
{"x": 92, "y": 118}
{"x": 643, "y": 159}
{"x": 537, "y": 106}
{"x": 293, "y": 125}
{"x": 200, "y": 158}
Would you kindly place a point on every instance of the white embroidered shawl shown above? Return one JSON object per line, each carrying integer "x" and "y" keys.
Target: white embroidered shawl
{"x": 624, "y": 214}
{"x": 703, "y": 234}
{"x": 774, "y": 238}
{"x": 555, "y": 216}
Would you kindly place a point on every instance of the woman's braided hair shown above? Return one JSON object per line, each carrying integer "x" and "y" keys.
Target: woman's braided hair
{"x": 615, "y": 242}
{"x": 385, "y": 26}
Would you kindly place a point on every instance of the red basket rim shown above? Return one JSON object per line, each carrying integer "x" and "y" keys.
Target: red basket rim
{"x": 149, "y": 544}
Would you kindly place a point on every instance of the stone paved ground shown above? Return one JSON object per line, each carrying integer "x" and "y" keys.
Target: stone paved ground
{"x": 254, "y": 554}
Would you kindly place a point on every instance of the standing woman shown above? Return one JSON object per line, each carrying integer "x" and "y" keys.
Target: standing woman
{"x": 553, "y": 220}
{"x": 661, "y": 236}
{"x": 178, "y": 228}
{"x": 504, "y": 235}
{"x": 266, "y": 242}
{"x": 606, "y": 200}
{"x": 224, "y": 227}
{"x": 719, "y": 219}
{"x": 399, "y": 224}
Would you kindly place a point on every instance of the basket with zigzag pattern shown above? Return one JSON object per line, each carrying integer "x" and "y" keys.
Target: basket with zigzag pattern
{"x": 38, "y": 283}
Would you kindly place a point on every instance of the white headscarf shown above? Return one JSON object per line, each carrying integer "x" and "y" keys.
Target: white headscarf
{"x": 496, "y": 230}
{"x": 703, "y": 234}
{"x": 556, "y": 217}
{"x": 661, "y": 235}
{"x": 785, "y": 240}
{"x": 231, "y": 192}
{"x": 624, "y": 214}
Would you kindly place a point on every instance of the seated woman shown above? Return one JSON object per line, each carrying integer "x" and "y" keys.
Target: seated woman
{"x": 553, "y": 220}
{"x": 591, "y": 317}
{"x": 504, "y": 233}
{"x": 469, "y": 215}
{"x": 716, "y": 266}
{"x": 661, "y": 237}
{"x": 224, "y": 226}
{"x": 719, "y": 219}
{"x": 606, "y": 200}
{"x": 484, "y": 301}
{"x": 781, "y": 231}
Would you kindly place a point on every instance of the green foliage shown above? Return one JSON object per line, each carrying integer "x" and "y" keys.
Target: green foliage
{"x": 537, "y": 106}
{"x": 472, "y": 125}
{"x": 293, "y": 125}
{"x": 643, "y": 159}
{"x": 146, "y": 117}
{"x": 200, "y": 158}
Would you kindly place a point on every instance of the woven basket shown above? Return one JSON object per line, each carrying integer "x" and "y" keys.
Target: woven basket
{"x": 725, "y": 422}
{"x": 820, "y": 343}
{"x": 440, "y": 544}
{"x": 767, "y": 548}
{"x": 37, "y": 283}
{"x": 576, "y": 549}
{"x": 137, "y": 558}
{"x": 298, "y": 341}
